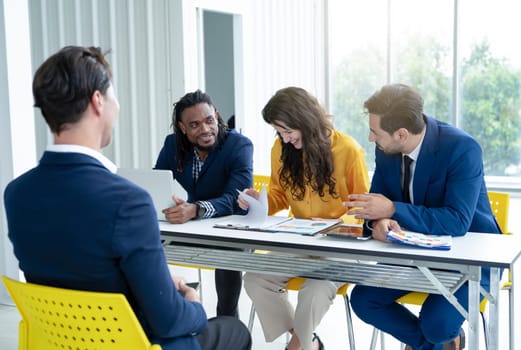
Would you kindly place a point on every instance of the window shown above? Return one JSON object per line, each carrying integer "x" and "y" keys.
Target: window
{"x": 468, "y": 70}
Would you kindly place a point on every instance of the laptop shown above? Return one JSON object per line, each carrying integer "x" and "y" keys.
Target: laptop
{"x": 158, "y": 183}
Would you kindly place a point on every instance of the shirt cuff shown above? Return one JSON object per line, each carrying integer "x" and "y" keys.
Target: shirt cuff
{"x": 210, "y": 210}
{"x": 368, "y": 230}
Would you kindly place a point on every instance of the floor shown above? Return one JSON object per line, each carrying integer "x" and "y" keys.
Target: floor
{"x": 332, "y": 329}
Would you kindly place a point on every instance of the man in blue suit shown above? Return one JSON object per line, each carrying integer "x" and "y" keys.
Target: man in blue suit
{"x": 75, "y": 224}
{"x": 446, "y": 195}
{"x": 211, "y": 163}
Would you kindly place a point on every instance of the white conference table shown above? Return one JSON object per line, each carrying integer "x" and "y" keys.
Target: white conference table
{"x": 370, "y": 262}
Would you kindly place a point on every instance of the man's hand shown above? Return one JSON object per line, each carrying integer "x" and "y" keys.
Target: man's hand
{"x": 381, "y": 227}
{"x": 181, "y": 212}
{"x": 370, "y": 206}
{"x": 188, "y": 292}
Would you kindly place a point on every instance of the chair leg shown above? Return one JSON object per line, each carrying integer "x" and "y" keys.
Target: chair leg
{"x": 374, "y": 338}
{"x": 200, "y": 276}
{"x": 485, "y": 329}
{"x": 252, "y": 318}
{"x": 511, "y": 316}
{"x": 382, "y": 340}
{"x": 350, "y": 332}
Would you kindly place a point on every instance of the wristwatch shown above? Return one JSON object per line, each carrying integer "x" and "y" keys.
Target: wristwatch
{"x": 200, "y": 211}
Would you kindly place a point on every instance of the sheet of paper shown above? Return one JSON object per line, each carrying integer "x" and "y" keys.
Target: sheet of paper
{"x": 257, "y": 209}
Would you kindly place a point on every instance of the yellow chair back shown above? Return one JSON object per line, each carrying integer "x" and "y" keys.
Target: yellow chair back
{"x": 57, "y": 318}
{"x": 500, "y": 204}
{"x": 295, "y": 283}
{"x": 259, "y": 181}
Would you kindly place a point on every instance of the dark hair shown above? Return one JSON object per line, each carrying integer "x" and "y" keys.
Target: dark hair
{"x": 399, "y": 106}
{"x": 313, "y": 164}
{"x": 63, "y": 85}
{"x": 183, "y": 145}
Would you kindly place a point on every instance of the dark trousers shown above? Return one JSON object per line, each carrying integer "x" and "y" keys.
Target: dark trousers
{"x": 225, "y": 333}
{"x": 437, "y": 323}
{"x": 228, "y": 285}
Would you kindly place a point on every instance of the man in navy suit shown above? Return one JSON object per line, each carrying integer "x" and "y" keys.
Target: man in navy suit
{"x": 75, "y": 224}
{"x": 446, "y": 195}
{"x": 211, "y": 163}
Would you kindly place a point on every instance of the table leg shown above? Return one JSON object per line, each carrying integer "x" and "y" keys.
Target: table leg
{"x": 473, "y": 316}
{"x": 515, "y": 299}
{"x": 493, "y": 322}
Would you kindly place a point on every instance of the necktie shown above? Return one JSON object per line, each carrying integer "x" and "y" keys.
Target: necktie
{"x": 406, "y": 178}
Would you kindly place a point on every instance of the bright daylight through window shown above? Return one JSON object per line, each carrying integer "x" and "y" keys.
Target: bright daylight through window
{"x": 476, "y": 87}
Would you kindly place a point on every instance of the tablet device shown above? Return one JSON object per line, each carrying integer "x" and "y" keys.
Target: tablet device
{"x": 158, "y": 183}
{"x": 194, "y": 285}
{"x": 352, "y": 231}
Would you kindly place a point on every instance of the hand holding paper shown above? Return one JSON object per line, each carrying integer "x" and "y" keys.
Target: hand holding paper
{"x": 257, "y": 218}
{"x": 257, "y": 208}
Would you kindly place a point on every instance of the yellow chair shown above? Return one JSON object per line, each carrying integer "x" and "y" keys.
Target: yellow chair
{"x": 57, "y": 318}
{"x": 500, "y": 204}
{"x": 259, "y": 181}
{"x": 295, "y": 283}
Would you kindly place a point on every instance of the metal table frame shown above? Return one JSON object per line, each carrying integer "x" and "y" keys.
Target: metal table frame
{"x": 373, "y": 263}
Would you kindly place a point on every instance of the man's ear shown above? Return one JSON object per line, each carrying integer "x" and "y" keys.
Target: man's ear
{"x": 403, "y": 134}
{"x": 181, "y": 127}
{"x": 97, "y": 101}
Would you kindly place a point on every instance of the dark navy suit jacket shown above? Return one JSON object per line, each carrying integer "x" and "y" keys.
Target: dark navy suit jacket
{"x": 74, "y": 224}
{"x": 228, "y": 168}
{"x": 449, "y": 190}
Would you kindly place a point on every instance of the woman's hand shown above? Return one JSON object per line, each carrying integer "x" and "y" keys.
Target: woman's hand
{"x": 243, "y": 204}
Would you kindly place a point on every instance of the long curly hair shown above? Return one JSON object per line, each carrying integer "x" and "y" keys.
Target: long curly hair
{"x": 312, "y": 165}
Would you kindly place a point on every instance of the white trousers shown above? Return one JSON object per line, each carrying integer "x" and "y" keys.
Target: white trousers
{"x": 275, "y": 312}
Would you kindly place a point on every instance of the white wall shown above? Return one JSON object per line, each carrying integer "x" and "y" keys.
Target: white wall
{"x": 16, "y": 119}
{"x": 145, "y": 39}
{"x": 155, "y": 57}
{"x": 284, "y": 45}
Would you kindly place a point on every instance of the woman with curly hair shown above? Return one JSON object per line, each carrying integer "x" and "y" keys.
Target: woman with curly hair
{"x": 313, "y": 170}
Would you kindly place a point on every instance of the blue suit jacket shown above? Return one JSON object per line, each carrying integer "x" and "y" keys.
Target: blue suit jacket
{"x": 74, "y": 224}
{"x": 228, "y": 168}
{"x": 449, "y": 190}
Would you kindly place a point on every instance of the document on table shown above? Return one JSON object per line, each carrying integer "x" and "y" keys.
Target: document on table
{"x": 257, "y": 219}
{"x": 441, "y": 242}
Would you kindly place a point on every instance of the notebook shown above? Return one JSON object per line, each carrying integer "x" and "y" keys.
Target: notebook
{"x": 441, "y": 242}
{"x": 158, "y": 183}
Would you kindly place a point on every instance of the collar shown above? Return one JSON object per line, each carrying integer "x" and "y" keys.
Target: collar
{"x": 416, "y": 151}
{"x": 107, "y": 163}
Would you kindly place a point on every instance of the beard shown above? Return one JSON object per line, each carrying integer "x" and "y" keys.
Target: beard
{"x": 390, "y": 149}
{"x": 206, "y": 148}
